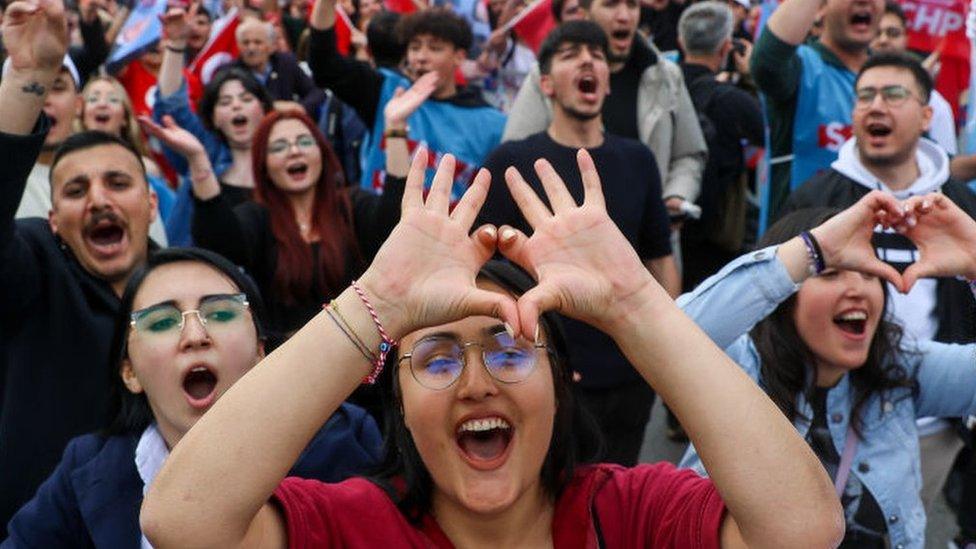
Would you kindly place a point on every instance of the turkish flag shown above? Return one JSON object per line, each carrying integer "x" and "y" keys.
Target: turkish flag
{"x": 220, "y": 50}
{"x": 343, "y": 31}
{"x": 534, "y": 23}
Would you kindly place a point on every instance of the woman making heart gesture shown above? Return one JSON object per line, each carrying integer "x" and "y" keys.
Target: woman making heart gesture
{"x": 807, "y": 320}
{"x": 481, "y": 450}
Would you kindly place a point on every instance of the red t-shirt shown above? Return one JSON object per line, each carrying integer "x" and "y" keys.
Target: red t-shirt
{"x": 646, "y": 506}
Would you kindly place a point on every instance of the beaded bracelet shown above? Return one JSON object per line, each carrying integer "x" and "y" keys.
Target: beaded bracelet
{"x": 386, "y": 345}
{"x": 817, "y": 264}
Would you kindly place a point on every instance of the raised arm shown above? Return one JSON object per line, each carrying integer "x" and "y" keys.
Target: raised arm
{"x": 728, "y": 304}
{"x": 35, "y": 38}
{"x": 575, "y": 253}
{"x": 355, "y": 82}
{"x": 176, "y": 29}
{"x": 423, "y": 275}
{"x": 376, "y": 215}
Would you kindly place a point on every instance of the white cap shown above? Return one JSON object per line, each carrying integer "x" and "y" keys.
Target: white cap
{"x": 66, "y": 64}
{"x": 744, "y": 3}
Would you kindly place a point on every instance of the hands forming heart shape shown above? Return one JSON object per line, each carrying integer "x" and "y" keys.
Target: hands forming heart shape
{"x": 425, "y": 272}
{"x": 944, "y": 235}
{"x": 584, "y": 265}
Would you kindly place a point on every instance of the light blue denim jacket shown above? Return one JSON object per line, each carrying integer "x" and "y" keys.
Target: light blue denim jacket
{"x": 177, "y": 105}
{"x": 747, "y": 290}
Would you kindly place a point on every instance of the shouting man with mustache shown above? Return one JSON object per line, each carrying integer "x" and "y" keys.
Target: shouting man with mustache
{"x": 60, "y": 278}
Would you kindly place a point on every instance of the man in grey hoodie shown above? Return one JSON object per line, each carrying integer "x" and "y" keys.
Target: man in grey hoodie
{"x": 887, "y": 152}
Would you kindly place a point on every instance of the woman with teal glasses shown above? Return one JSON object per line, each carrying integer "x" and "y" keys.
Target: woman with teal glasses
{"x": 189, "y": 328}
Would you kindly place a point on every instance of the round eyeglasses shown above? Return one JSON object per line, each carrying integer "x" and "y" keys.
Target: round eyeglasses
{"x": 437, "y": 361}
{"x": 282, "y": 146}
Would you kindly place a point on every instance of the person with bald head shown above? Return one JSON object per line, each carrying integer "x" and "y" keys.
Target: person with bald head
{"x": 287, "y": 83}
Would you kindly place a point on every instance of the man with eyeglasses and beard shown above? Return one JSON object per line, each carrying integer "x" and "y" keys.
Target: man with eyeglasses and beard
{"x": 887, "y": 152}
{"x": 575, "y": 78}
{"x": 60, "y": 277}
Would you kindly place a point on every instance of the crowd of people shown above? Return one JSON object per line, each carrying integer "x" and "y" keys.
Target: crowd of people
{"x": 399, "y": 273}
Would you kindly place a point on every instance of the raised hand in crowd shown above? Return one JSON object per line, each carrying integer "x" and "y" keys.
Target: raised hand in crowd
{"x": 945, "y": 236}
{"x": 741, "y": 60}
{"x": 396, "y": 112}
{"x": 176, "y": 29}
{"x": 36, "y": 39}
{"x": 845, "y": 239}
{"x": 205, "y": 185}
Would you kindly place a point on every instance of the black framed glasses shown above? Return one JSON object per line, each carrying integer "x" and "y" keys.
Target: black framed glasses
{"x": 894, "y": 96}
{"x": 166, "y": 320}
{"x": 437, "y": 361}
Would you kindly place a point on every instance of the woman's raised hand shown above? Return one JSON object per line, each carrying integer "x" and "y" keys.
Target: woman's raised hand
{"x": 845, "y": 239}
{"x": 173, "y": 136}
{"x": 424, "y": 274}
{"x": 585, "y": 267}
{"x": 945, "y": 236}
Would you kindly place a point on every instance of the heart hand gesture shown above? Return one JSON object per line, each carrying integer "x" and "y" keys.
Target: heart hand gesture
{"x": 945, "y": 236}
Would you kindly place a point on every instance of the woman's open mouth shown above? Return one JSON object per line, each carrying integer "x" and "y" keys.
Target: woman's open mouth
{"x": 239, "y": 121}
{"x": 102, "y": 118}
{"x": 852, "y": 322}
{"x": 297, "y": 171}
{"x": 200, "y": 386}
{"x": 484, "y": 442}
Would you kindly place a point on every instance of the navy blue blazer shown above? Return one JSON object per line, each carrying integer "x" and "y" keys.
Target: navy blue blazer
{"x": 93, "y": 497}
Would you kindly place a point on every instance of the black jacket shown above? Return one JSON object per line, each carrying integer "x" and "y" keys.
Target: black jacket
{"x": 288, "y": 82}
{"x": 243, "y": 234}
{"x": 56, "y": 324}
{"x": 955, "y": 307}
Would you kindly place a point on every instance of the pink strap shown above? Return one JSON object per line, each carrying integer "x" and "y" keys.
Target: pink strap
{"x": 846, "y": 460}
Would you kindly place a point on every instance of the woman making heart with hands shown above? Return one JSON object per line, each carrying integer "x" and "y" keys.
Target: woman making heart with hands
{"x": 808, "y": 322}
{"x": 480, "y": 449}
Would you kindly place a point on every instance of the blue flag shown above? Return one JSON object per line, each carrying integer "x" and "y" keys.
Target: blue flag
{"x": 141, "y": 31}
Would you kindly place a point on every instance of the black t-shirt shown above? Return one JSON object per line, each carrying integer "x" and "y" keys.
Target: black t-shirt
{"x": 632, "y": 188}
{"x": 620, "y": 107}
{"x": 235, "y": 195}
{"x": 866, "y": 526}
{"x": 662, "y": 26}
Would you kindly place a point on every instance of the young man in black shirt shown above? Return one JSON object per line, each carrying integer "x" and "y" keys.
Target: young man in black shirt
{"x": 575, "y": 77}
{"x": 649, "y": 102}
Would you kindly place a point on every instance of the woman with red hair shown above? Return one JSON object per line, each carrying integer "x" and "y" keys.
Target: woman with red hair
{"x": 307, "y": 235}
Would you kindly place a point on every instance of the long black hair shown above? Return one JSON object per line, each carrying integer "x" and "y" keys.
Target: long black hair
{"x": 786, "y": 359}
{"x": 130, "y": 412}
{"x": 575, "y": 439}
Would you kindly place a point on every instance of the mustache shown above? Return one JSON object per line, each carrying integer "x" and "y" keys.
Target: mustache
{"x": 99, "y": 217}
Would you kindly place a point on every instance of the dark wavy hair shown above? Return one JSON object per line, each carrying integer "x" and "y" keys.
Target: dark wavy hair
{"x": 575, "y": 439}
{"x": 787, "y": 362}
{"x": 211, "y": 95}
{"x": 442, "y": 23}
{"x": 130, "y": 412}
